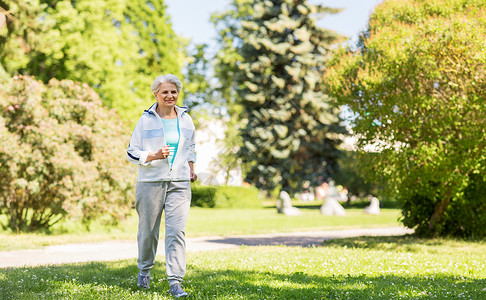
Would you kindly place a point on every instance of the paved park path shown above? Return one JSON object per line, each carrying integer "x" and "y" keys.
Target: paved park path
{"x": 115, "y": 250}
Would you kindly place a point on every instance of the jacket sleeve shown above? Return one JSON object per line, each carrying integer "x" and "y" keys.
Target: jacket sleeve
{"x": 135, "y": 152}
{"x": 192, "y": 155}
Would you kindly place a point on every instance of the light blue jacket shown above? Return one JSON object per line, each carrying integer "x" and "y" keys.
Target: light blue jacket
{"x": 148, "y": 136}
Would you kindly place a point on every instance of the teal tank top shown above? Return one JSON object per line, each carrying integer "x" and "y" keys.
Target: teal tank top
{"x": 171, "y": 130}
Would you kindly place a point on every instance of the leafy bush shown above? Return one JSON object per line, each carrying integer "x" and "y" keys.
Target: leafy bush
{"x": 363, "y": 202}
{"x": 203, "y": 196}
{"x": 61, "y": 153}
{"x": 465, "y": 216}
{"x": 238, "y": 197}
{"x": 225, "y": 197}
{"x": 389, "y": 203}
{"x": 417, "y": 84}
{"x": 350, "y": 175}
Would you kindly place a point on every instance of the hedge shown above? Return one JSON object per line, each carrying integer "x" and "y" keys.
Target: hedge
{"x": 225, "y": 197}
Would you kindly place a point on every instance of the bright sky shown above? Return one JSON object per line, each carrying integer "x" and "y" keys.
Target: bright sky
{"x": 191, "y": 18}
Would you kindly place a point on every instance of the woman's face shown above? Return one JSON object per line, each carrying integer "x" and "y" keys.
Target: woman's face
{"x": 167, "y": 95}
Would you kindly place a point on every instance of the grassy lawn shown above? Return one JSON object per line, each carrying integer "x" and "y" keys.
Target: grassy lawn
{"x": 204, "y": 222}
{"x": 354, "y": 268}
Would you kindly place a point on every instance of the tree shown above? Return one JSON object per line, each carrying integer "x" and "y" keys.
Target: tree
{"x": 351, "y": 176}
{"x": 417, "y": 83}
{"x": 61, "y": 153}
{"x": 207, "y": 99}
{"x": 118, "y": 47}
{"x": 198, "y": 89}
{"x": 271, "y": 61}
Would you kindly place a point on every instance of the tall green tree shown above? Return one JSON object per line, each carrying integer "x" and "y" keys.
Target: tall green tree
{"x": 417, "y": 83}
{"x": 116, "y": 46}
{"x": 200, "y": 93}
{"x": 272, "y": 59}
{"x": 209, "y": 98}
{"x": 198, "y": 90}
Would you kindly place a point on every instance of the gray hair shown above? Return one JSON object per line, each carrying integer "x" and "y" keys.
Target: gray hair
{"x": 169, "y": 78}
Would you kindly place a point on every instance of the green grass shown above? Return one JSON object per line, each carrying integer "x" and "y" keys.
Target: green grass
{"x": 353, "y": 268}
{"x": 204, "y": 222}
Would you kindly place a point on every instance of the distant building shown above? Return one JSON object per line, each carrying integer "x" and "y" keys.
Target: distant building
{"x": 209, "y": 144}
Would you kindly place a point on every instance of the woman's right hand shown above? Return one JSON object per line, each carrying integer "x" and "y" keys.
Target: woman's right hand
{"x": 163, "y": 152}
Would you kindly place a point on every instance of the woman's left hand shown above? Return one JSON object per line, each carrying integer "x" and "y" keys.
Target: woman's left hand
{"x": 193, "y": 176}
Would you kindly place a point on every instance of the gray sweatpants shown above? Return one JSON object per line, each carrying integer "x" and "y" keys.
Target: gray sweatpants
{"x": 151, "y": 198}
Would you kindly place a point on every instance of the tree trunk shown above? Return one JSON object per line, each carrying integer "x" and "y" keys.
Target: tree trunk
{"x": 439, "y": 212}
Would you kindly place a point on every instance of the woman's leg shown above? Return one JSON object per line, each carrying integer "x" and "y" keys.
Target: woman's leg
{"x": 149, "y": 203}
{"x": 177, "y": 203}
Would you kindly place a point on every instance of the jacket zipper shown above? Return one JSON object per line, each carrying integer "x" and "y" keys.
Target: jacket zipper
{"x": 179, "y": 141}
{"x": 165, "y": 142}
{"x": 179, "y": 127}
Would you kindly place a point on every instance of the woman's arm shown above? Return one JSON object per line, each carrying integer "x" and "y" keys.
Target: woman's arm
{"x": 135, "y": 152}
{"x": 193, "y": 174}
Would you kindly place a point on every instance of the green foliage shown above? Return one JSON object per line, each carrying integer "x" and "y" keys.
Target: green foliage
{"x": 203, "y": 196}
{"x": 271, "y": 62}
{"x": 198, "y": 89}
{"x": 417, "y": 83}
{"x": 116, "y": 46}
{"x": 462, "y": 218}
{"x": 351, "y": 176}
{"x": 238, "y": 197}
{"x": 361, "y": 203}
{"x": 225, "y": 197}
{"x": 208, "y": 99}
{"x": 60, "y": 153}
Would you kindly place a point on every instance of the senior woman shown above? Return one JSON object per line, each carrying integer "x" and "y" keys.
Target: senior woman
{"x": 162, "y": 145}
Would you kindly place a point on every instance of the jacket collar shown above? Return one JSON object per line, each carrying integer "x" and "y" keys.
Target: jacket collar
{"x": 179, "y": 109}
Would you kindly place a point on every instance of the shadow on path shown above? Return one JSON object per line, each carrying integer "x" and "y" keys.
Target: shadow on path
{"x": 307, "y": 239}
{"x": 302, "y": 241}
